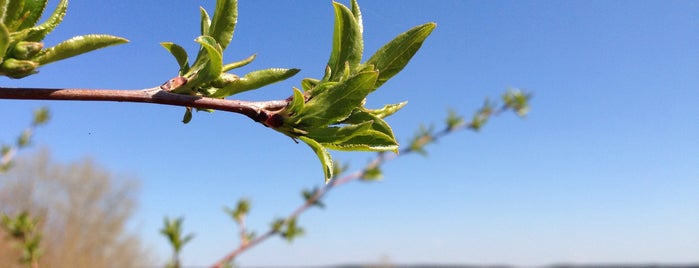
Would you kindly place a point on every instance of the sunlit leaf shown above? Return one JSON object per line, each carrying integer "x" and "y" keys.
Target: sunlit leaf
{"x": 209, "y": 67}
{"x": 387, "y": 110}
{"x": 13, "y": 14}
{"x": 338, "y": 134}
{"x": 357, "y": 15}
{"x": 336, "y": 103}
{"x": 372, "y": 140}
{"x": 76, "y": 46}
{"x": 392, "y": 57}
{"x": 239, "y": 64}
{"x": 297, "y": 102}
{"x": 309, "y": 83}
{"x": 4, "y": 41}
{"x": 224, "y": 21}
{"x": 347, "y": 42}
{"x": 358, "y": 116}
{"x": 180, "y": 55}
{"x": 40, "y": 31}
{"x": 205, "y": 21}
{"x": 323, "y": 156}
{"x": 32, "y": 10}
{"x": 254, "y": 80}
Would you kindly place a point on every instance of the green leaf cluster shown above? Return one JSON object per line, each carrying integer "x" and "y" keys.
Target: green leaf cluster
{"x": 208, "y": 76}
{"x": 172, "y": 230}
{"x": 21, "y": 49}
{"x": 288, "y": 229}
{"x": 24, "y": 230}
{"x": 329, "y": 113}
{"x": 240, "y": 212}
{"x": 41, "y": 117}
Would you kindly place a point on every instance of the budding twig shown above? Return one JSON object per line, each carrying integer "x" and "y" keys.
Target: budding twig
{"x": 380, "y": 159}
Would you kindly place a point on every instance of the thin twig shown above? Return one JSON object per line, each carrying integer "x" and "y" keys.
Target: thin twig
{"x": 319, "y": 194}
{"x": 357, "y": 175}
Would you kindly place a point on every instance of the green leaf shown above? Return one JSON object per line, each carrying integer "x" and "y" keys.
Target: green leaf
{"x": 372, "y": 174}
{"x": 76, "y": 46}
{"x": 338, "y": 134}
{"x": 392, "y": 57}
{"x": 33, "y": 10}
{"x": 4, "y": 41}
{"x": 180, "y": 55}
{"x": 359, "y": 137}
{"x": 208, "y": 66}
{"x": 357, "y": 15}
{"x": 297, "y": 102}
{"x": 347, "y": 45}
{"x": 308, "y": 194}
{"x": 309, "y": 84}
{"x": 41, "y": 116}
{"x": 517, "y": 100}
{"x": 187, "y": 115}
{"x": 239, "y": 64}
{"x": 358, "y": 116}
{"x": 205, "y": 21}
{"x": 38, "y": 33}
{"x": 387, "y": 110}
{"x": 3, "y": 10}
{"x": 224, "y": 21}
{"x": 254, "y": 80}
{"x": 336, "y": 103}
{"x": 13, "y": 14}
{"x": 454, "y": 120}
{"x": 372, "y": 141}
{"x": 323, "y": 156}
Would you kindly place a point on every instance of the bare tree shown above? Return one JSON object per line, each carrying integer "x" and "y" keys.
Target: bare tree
{"x": 83, "y": 211}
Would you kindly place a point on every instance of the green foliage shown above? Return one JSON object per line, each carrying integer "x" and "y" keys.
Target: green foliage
{"x": 325, "y": 114}
{"x": 41, "y": 117}
{"x": 423, "y": 137}
{"x": 241, "y": 210}
{"x": 332, "y": 114}
{"x": 372, "y": 173}
{"x": 208, "y": 76}
{"x": 24, "y": 231}
{"x": 310, "y": 196}
{"x": 172, "y": 230}
{"x": 517, "y": 100}
{"x": 288, "y": 229}
{"x": 21, "y": 49}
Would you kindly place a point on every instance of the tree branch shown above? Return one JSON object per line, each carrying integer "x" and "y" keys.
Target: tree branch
{"x": 424, "y": 139}
{"x": 257, "y": 111}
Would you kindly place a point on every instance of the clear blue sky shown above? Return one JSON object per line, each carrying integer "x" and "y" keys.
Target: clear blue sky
{"x": 604, "y": 169}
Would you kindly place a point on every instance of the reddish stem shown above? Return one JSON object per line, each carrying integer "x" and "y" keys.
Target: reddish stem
{"x": 258, "y": 111}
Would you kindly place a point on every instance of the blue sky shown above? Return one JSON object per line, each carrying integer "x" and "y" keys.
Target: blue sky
{"x": 605, "y": 168}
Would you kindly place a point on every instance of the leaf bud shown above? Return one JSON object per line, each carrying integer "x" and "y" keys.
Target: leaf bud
{"x": 24, "y": 50}
{"x": 15, "y": 68}
{"x": 174, "y": 83}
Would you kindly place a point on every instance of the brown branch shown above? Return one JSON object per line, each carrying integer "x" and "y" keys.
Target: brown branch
{"x": 257, "y": 111}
